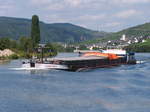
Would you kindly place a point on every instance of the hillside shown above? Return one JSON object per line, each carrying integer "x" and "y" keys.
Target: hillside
{"x": 140, "y": 47}
{"x": 58, "y": 32}
{"x": 137, "y": 31}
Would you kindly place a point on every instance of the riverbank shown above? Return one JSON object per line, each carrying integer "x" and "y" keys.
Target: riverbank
{"x": 7, "y": 54}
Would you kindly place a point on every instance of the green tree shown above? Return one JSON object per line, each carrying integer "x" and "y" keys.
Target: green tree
{"x": 83, "y": 47}
{"x": 58, "y": 47}
{"x": 25, "y": 44}
{"x": 69, "y": 49}
{"x": 96, "y": 48}
{"x": 51, "y": 48}
{"x": 14, "y": 44}
{"x": 4, "y": 43}
{"x": 35, "y": 30}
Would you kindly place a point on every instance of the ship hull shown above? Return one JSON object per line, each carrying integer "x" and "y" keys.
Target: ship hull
{"x": 83, "y": 62}
{"x": 93, "y": 64}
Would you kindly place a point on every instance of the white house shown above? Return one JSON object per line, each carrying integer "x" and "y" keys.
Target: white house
{"x": 123, "y": 38}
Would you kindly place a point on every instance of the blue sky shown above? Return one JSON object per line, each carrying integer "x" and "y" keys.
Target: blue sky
{"x": 106, "y": 15}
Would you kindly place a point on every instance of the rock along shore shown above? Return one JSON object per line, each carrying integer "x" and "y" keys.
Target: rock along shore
{"x": 6, "y": 53}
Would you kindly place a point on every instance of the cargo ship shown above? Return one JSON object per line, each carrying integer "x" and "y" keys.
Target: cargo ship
{"x": 85, "y": 60}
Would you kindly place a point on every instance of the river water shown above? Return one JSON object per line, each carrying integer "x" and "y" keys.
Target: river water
{"x": 125, "y": 88}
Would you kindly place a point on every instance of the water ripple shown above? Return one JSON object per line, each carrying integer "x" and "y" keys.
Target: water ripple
{"x": 125, "y": 88}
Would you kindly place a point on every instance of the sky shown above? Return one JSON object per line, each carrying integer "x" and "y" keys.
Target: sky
{"x": 100, "y": 15}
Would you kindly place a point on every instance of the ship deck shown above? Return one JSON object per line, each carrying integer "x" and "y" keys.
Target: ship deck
{"x": 77, "y": 58}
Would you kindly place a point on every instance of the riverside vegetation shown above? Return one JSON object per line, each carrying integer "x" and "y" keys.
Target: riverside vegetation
{"x": 22, "y": 48}
{"x": 25, "y": 46}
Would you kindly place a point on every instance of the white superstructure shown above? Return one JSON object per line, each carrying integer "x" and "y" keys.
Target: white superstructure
{"x": 44, "y": 66}
{"x": 115, "y": 51}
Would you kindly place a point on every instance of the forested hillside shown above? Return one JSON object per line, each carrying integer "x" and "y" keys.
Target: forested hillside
{"x": 58, "y": 32}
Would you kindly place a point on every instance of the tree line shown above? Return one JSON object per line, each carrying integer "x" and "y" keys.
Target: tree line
{"x": 25, "y": 46}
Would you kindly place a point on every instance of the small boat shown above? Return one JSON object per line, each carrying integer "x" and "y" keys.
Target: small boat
{"x": 86, "y": 60}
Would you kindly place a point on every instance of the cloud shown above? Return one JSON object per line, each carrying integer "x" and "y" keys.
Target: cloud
{"x": 49, "y": 4}
{"x": 127, "y": 13}
{"x": 86, "y": 3}
{"x": 6, "y": 4}
{"x": 81, "y": 19}
{"x": 131, "y": 1}
{"x": 6, "y": 7}
{"x": 73, "y": 2}
{"x": 53, "y": 18}
{"x": 38, "y": 2}
{"x": 59, "y": 5}
{"x": 55, "y": 7}
{"x": 91, "y": 17}
{"x": 64, "y": 4}
{"x": 112, "y": 24}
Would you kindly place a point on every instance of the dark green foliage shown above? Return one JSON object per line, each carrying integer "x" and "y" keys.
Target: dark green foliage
{"x": 14, "y": 56}
{"x": 51, "y": 47}
{"x": 25, "y": 44}
{"x": 60, "y": 32}
{"x": 83, "y": 47}
{"x": 96, "y": 48}
{"x": 51, "y": 51}
{"x": 69, "y": 49}
{"x": 35, "y": 30}
{"x": 14, "y": 44}
{"x": 58, "y": 47}
{"x": 24, "y": 48}
{"x": 4, "y": 43}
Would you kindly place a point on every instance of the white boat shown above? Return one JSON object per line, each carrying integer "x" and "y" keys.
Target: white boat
{"x": 32, "y": 65}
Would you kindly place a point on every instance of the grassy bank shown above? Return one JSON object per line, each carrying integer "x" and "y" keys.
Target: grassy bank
{"x": 14, "y": 56}
{"x": 139, "y": 47}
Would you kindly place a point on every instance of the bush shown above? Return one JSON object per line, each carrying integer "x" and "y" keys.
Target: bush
{"x": 14, "y": 56}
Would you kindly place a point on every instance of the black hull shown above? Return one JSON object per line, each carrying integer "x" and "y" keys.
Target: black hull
{"x": 92, "y": 64}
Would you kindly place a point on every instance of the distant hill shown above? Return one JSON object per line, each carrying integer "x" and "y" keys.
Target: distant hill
{"x": 137, "y": 31}
{"x": 58, "y": 32}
